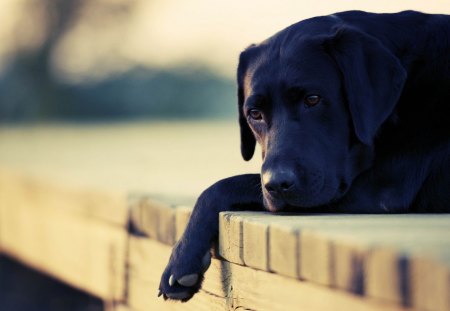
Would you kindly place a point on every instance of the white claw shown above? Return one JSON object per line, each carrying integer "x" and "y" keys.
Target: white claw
{"x": 171, "y": 280}
{"x": 188, "y": 280}
{"x": 206, "y": 261}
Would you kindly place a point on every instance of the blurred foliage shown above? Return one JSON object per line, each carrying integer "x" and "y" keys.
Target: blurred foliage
{"x": 31, "y": 91}
{"x": 149, "y": 93}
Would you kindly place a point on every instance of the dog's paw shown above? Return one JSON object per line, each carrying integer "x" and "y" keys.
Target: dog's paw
{"x": 183, "y": 275}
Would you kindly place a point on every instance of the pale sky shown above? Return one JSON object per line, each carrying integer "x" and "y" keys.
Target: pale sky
{"x": 215, "y": 31}
{"x": 168, "y": 33}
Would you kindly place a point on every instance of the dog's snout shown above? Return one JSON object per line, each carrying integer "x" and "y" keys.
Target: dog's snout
{"x": 278, "y": 182}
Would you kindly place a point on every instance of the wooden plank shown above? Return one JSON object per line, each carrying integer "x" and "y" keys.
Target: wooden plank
{"x": 231, "y": 237}
{"x": 284, "y": 250}
{"x": 88, "y": 257}
{"x": 363, "y": 254}
{"x": 430, "y": 282}
{"x": 229, "y": 287}
{"x": 390, "y": 274}
{"x": 297, "y": 251}
{"x": 315, "y": 258}
{"x": 245, "y": 242}
{"x": 119, "y": 307}
{"x": 348, "y": 266}
{"x": 143, "y": 297}
{"x": 353, "y": 245}
{"x": 286, "y": 245}
{"x": 182, "y": 216}
{"x": 369, "y": 255}
{"x": 148, "y": 259}
{"x": 330, "y": 247}
{"x": 153, "y": 218}
{"x": 377, "y": 262}
{"x": 116, "y": 307}
{"x": 103, "y": 205}
{"x": 38, "y": 229}
{"x": 255, "y": 237}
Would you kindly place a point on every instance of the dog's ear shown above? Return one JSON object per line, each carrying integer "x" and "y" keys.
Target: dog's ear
{"x": 373, "y": 79}
{"x": 248, "y": 141}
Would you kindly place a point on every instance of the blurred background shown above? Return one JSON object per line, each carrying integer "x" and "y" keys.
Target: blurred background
{"x": 131, "y": 95}
{"x": 99, "y": 60}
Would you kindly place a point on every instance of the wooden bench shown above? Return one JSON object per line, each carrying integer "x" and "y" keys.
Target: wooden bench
{"x": 304, "y": 262}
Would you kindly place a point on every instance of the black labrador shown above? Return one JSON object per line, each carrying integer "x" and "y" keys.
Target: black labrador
{"x": 351, "y": 112}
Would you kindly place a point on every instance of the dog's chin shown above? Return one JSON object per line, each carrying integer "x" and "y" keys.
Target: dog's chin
{"x": 274, "y": 204}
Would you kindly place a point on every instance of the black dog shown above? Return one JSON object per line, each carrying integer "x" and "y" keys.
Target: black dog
{"x": 351, "y": 112}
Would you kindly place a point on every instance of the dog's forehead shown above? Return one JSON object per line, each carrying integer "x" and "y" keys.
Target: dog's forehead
{"x": 288, "y": 63}
{"x": 257, "y": 64}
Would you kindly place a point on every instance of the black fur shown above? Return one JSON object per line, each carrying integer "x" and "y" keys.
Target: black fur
{"x": 375, "y": 140}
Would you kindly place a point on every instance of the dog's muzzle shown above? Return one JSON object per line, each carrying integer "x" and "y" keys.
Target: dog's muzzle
{"x": 287, "y": 187}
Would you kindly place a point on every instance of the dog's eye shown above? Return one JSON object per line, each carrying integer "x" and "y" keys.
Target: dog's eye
{"x": 312, "y": 100}
{"x": 255, "y": 114}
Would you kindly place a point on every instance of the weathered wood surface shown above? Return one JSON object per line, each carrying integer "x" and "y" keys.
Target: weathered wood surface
{"x": 381, "y": 257}
{"x": 230, "y": 286}
{"x": 399, "y": 258}
{"x": 78, "y": 237}
{"x": 158, "y": 220}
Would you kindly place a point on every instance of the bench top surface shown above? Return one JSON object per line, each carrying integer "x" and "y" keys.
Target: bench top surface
{"x": 403, "y": 258}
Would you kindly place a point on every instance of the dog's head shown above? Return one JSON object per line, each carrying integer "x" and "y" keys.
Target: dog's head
{"x": 314, "y": 99}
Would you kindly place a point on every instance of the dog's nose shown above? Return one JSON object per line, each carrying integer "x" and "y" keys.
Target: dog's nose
{"x": 278, "y": 182}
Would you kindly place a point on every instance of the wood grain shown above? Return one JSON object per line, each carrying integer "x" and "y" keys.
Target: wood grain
{"x": 148, "y": 259}
{"x": 182, "y": 216}
{"x": 154, "y": 218}
{"x": 50, "y": 229}
{"x": 230, "y": 286}
{"x": 368, "y": 255}
{"x": 231, "y": 237}
{"x": 430, "y": 282}
{"x": 284, "y": 250}
{"x": 255, "y": 238}
{"x": 103, "y": 205}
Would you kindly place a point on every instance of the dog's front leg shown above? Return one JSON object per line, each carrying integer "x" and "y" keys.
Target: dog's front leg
{"x": 191, "y": 256}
